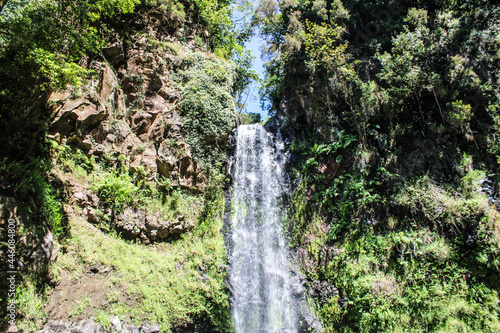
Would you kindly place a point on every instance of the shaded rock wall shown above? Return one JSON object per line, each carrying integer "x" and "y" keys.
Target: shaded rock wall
{"x": 38, "y": 249}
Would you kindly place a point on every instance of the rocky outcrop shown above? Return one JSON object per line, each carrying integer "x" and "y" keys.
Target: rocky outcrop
{"x": 89, "y": 326}
{"x": 145, "y": 226}
{"x": 130, "y": 110}
{"x": 150, "y": 227}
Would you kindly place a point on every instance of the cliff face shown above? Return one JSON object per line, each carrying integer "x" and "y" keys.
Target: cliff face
{"x": 392, "y": 111}
{"x": 118, "y": 216}
{"x": 116, "y": 190}
{"x": 131, "y": 114}
{"x": 134, "y": 111}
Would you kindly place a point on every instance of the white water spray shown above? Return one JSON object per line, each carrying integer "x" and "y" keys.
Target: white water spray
{"x": 259, "y": 273}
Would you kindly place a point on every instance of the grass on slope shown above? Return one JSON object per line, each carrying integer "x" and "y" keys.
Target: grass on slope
{"x": 98, "y": 274}
{"x": 170, "y": 284}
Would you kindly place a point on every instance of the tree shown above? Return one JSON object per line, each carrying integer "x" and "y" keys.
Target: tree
{"x": 41, "y": 43}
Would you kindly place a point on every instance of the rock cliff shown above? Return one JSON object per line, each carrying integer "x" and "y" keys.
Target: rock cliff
{"x": 135, "y": 160}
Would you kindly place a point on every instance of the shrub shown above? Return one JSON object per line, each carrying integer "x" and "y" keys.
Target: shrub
{"x": 116, "y": 190}
{"x": 425, "y": 199}
{"x": 29, "y": 182}
{"x": 207, "y": 108}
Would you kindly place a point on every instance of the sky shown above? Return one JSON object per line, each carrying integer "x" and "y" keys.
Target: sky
{"x": 253, "y": 102}
{"x": 255, "y": 45}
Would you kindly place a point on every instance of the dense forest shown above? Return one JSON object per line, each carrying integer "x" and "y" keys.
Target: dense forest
{"x": 395, "y": 108}
{"x": 116, "y": 119}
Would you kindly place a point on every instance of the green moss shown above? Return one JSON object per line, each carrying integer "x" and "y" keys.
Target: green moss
{"x": 178, "y": 283}
{"x": 415, "y": 269}
{"x": 172, "y": 284}
{"x": 30, "y": 302}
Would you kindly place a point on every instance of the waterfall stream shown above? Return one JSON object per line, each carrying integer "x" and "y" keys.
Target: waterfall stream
{"x": 259, "y": 272}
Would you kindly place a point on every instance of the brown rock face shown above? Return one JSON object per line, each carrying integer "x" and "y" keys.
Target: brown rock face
{"x": 165, "y": 165}
{"x": 130, "y": 113}
{"x": 150, "y": 227}
{"x": 114, "y": 54}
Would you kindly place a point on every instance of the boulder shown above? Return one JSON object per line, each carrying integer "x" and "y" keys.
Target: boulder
{"x": 80, "y": 199}
{"x": 107, "y": 84}
{"x": 39, "y": 251}
{"x": 152, "y": 222}
{"x": 123, "y": 132}
{"x": 88, "y": 115}
{"x": 141, "y": 123}
{"x": 148, "y": 160}
{"x": 49, "y": 248}
{"x": 115, "y": 322}
{"x": 169, "y": 94}
{"x": 114, "y": 54}
{"x": 144, "y": 238}
{"x": 155, "y": 84}
{"x": 187, "y": 166}
{"x": 86, "y": 145}
{"x": 165, "y": 165}
{"x": 91, "y": 215}
{"x": 65, "y": 120}
{"x": 129, "y": 85}
{"x": 150, "y": 227}
{"x": 89, "y": 326}
{"x": 151, "y": 329}
{"x": 152, "y": 234}
{"x": 163, "y": 230}
{"x": 177, "y": 229}
{"x": 99, "y": 150}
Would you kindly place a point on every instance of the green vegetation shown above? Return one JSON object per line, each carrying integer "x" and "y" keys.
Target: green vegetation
{"x": 32, "y": 187}
{"x": 175, "y": 284}
{"x": 179, "y": 282}
{"x": 50, "y": 46}
{"x": 42, "y": 44}
{"x": 395, "y": 108}
{"x": 207, "y": 87}
{"x": 118, "y": 188}
{"x": 250, "y": 118}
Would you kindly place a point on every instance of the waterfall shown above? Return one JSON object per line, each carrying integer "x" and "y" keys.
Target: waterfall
{"x": 259, "y": 272}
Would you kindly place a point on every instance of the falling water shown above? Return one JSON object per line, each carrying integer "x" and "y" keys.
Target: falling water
{"x": 259, "y": 270}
